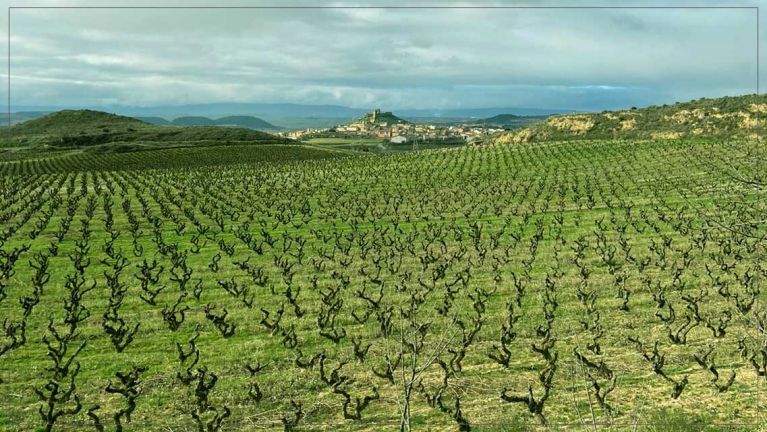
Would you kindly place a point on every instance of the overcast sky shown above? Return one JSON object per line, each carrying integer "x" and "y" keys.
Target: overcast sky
{"x": 390, "y": 58}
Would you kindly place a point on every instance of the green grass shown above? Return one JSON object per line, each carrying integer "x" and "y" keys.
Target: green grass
{"x": 343, "y": 141}
{"x": 429, "y": 220}
{"x": 377, "y": 145}
{"x": 141, "y": 157}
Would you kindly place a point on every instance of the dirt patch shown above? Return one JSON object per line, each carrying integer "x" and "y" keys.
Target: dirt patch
{"x": 686, "y": 116}
{"x": 748, "y": 122}
{"x": 523, "y": 136}
{"x": 628, "y": 124}
{"x": 575, "y": 124}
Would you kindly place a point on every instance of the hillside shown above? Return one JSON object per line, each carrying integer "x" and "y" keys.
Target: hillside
{"x": 193, "y": 121}
{"x": 379, "y": 117}
{"x": 243, "y": 121}
{"x": 501, "y": 119}
{"x": 82, "y": 122}
{"x": 720, "y": 117}
{"x": 75, "y": 128}
{"x": 510, "y": 120}
{"x": 247, "y": 122}
{"x": 154, "y": 120}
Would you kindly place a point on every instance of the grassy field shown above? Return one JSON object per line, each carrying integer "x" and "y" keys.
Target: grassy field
{"x": 376, "y": 145}
{"x": 162, "y": 158}
{"x": 361, "y": 144}
{"x": 580, "y": 285}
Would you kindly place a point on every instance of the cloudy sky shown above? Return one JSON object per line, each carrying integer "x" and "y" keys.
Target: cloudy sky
{"x": 585, "y": 59}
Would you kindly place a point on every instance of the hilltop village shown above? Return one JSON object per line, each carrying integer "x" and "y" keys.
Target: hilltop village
{"x": 387, "y": 126}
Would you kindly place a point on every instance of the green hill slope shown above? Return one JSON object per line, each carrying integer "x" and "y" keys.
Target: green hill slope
{"x": 193, "y": 121}
{"x": 510, "y": 120}
{"x": 85, "y": 122}
{"x": 154, "y": 120}
{"x": 501, "y": 119}
{"x": 736, "y": 116}
{"x": 247, "y": 122}
{"x": 86, "y": 128}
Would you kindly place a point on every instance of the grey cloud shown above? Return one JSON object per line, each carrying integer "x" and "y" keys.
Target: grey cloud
{"x": 394, "y": 58}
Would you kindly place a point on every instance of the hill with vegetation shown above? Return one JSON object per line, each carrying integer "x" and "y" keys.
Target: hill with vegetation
{"x": 510, "y": 120}
{"x": 736, "y": 117}
{"x": 154, "y": 120}
{"x": 379, "y": 117}
{"x": 193, "y": 121}
{"x": 78, "y": 128}
{"x": 501, "y": 119}
{"x": 84, "y": 122}
{"x": 247, "y": 122}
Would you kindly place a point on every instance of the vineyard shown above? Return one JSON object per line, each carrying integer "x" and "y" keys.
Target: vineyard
{"x": 588, "y": 284}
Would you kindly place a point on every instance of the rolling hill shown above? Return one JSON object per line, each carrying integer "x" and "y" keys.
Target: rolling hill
{"x": 501, "y": 119}
{"x": 510, "y": 120}
{"x": 274, "y": 111}
{"x": 154, "y": 120}
{"x": 193, "y": 121}
{"x": 77, "y": 128}
{"x": 246, "y": 122}
{"x": 379, "y": 117}
{"x": 734, "y": 116}
{"x": 242, "y": 121}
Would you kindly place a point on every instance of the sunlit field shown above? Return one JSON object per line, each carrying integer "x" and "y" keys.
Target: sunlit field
{"x": 498, "y": 287}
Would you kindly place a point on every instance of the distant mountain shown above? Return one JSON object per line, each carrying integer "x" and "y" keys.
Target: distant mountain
{"x": 445, "y": 121}
{"x": 273, "y": 112}
{"x": 725, "y": 117}
{"x": 77, "y": 128}
{"x": 154, "y": 120}
{"x": 481, "y": 113}
{"x": 501, "y": 119}
{"x": 261, "y": 110}
{"x": 19, "y": 117}
{"x": 268, "y": 111}
{"x": 247, "y": 122}
{"x": 193, "y": 121}
{"x": 308, "y": 122}
{"x": 510, "y": 120}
